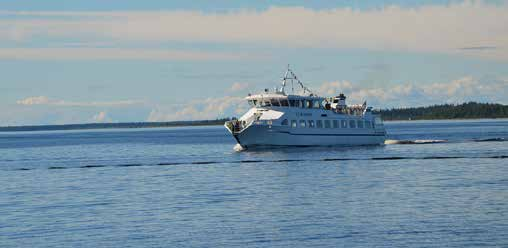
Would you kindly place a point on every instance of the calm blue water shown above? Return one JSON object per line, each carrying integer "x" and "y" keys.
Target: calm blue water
{"x": 187, "y": 187}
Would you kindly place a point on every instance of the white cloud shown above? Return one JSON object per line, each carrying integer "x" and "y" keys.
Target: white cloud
{"x": 34, "y": 100}
{"x": 331, "y": 88}
{"x": 402, "y": 95}
{"x": 44, "y": 100}
{"x": 413, "y": 94}
{"x": 431, "y": 28}
{"x": 238, "y": 87}
{"x": 210, "y": 108}
{"x": 53, "y": 111}
{"x": 85, "y": 53}
{"x": 101, "y": 117}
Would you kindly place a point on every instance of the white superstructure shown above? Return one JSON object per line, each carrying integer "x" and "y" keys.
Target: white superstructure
{"x": 305, "y": 119}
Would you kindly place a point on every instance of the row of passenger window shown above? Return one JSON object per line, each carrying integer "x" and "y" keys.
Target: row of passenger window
{"x": 329, "y": 123}
{"x": 286, "y": 103}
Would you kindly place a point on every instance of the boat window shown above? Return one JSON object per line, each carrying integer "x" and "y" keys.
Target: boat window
{"x": 368, "y": 124}
{"x": 265, "y": 103}
{"x": 293, "y": 123}
{"x": 352, "y": 123}
{"x": 275, "y": 102}
{"x": 319, "y": 123}
{"x": 284, "y": 122}
{"x": 302, "y": 123}
{"x": 327, "y": 124}
{"x": 335, "y": 124}
{"x": 343, "y": 124}
{"x": 311, "y": 123}
{"x": 360, "y": 124}
{"x": 316, "y": 104}
{"x": 292, "y": 103}
{"x": 284, "y": 103}
{"x": 308, "y": 104}
{"x": 301, "y": 104}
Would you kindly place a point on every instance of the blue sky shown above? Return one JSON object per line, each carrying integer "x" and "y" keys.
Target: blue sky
{"x": 115, "y": 61}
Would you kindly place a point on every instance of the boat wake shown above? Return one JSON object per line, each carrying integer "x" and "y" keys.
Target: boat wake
{"x": 238, "y": 148}
{"x": 412, "y": 142}
{"x": 433, "y": 141}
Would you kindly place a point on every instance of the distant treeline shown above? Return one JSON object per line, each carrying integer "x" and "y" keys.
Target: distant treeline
{"x": 470, "y": 110}
{"x": 114, "y": 125}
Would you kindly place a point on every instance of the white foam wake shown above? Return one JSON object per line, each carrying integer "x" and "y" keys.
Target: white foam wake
{"x": 238, "y": 148}
{"x": 411, "y": 142}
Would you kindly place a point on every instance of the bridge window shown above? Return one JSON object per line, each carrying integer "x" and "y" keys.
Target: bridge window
{"x": 335, "y": 124}
{"x": 343, "y": 124}
{"x": 275, "y": 102}
{"x": 368, "y": 124}
{"x": 360, "y": 124}
{"x": 317, "y": 104}
{"x": 284, "y": 103}
{"x": 352, "y": 123}
{"x": 308, "y": 104}
{"x": 265, "y": 104}
{"x": 293, "y": 123}
{"x": 302, "y": 123}
{"x": 327, "y": 124}
{"x": 284, "y": 122}
{"x": 311, "y": 123}
{"x": 319, "y": 123}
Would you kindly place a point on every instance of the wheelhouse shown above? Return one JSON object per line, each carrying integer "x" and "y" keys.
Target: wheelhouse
{"x": 279, "y": 100}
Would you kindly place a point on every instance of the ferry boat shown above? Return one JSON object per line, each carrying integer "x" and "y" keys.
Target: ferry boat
{"x": 305, "y": 119}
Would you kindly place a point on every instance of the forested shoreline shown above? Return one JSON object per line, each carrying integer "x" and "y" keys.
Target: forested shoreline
{"x": 469, "y": 110}
{"x": 114, "y": 125}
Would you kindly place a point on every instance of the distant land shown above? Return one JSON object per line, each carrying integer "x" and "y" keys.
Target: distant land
{"x": 114, "y": 125}
{"x": 470, "y": 110}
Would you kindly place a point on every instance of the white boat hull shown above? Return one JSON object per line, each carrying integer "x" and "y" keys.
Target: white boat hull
{"x": 264, "y": 135}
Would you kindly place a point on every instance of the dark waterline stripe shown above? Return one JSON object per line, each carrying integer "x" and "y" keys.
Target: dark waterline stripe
{"x": 388, "y": 158}
{"x": 56, "y": 167}
{"x": 490, "y": 140}
{"x": 204, "y": 162}
{"x": 169, "y": 163}
{"x": 94, "y": 166}
{"x": 129, "y": 165}
{"x": 271, "y": 161}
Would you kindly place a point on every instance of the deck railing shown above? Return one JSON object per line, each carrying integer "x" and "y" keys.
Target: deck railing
{"x": 236, "y": 126}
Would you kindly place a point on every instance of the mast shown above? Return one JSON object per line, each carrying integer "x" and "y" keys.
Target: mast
{"x": 290, "y": 75}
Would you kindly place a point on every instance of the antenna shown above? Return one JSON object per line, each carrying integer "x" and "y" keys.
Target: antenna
{"x": 290, "y": 75}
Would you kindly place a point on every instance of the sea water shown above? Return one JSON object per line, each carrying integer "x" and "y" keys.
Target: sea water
{"x": 434, "y": 184}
